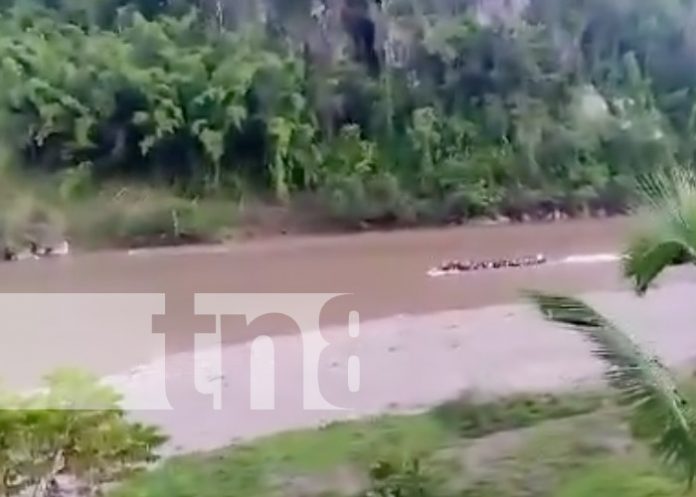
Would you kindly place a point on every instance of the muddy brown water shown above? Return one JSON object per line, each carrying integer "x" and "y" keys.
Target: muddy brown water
{"x": 422, "y": 339}
{"x": 384, "y": 273}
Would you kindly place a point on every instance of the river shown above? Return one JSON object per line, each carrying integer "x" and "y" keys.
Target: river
{"x": 94, "y": 310}
{"x": 385, "y": 272}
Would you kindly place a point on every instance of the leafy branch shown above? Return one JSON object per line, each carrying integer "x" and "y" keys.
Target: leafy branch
{"x": 667, "y": 419}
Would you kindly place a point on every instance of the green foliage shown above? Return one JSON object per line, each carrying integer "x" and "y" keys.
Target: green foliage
{"x": 663, "y": 416}
{"x": 132, "y": 217}
{"x": 26, "y": 215}
{"x": 256, "y": 468}
{"x": 562, "y": 101}
{"x": 76, "y": 182}
{"x": 377, "y": 456}
{"x": 405, "y": 480}
{"x": 73, "y": 427}
{"x": 472, "y": 419}
{"x": 375, "y": 199}
{"x": 667, "y": 236}
{"x": 621, "y": 480}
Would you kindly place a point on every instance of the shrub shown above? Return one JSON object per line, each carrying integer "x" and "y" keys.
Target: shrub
{"x": 75, "y": 428}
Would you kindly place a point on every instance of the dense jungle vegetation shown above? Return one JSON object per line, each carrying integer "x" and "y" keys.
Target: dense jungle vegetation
{"x": 381, "y": 111}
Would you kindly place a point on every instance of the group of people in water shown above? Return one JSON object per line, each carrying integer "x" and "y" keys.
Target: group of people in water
{"x": 466, "y": 265}
{"x": 35, "y": 251}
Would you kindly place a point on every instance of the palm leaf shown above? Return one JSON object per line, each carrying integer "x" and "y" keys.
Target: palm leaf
{"x": 648, "y": 256}
{"x": 643, "y": 383}
{"x": 667, "y": 209}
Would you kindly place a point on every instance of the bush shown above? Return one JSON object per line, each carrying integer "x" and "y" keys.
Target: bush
{"x": 371, "y": 200}
{"x": 404, "y": 480}
{"x": 74, "y": 428}
{"x": 148, "y": 217}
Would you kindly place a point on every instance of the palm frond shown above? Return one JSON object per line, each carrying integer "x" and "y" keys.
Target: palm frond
{"x": 667, "y": 236}
{"x": 667, "y": 419}
{"x": 670, "y": 193}
{"x": 647, "y": 257}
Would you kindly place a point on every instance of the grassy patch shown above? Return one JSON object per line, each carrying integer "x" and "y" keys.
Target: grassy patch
{"x": 622, "y": 477}
{"x": 141, "y": 217}
{"x": 472, "y": 419}
{"x": 536, "y": 461}
{"x": 610, "y": 476}
{"x": 39, "y": 209}
{"x": 257, "y": 469}
{"x": 359, "y": 442}
{"x": 322, "y": 460}
{"x": 465, "y": 450}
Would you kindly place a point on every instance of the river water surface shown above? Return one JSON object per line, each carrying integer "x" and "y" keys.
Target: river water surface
{"x": 422, "y": 339}
{"x": 385, "y": 273}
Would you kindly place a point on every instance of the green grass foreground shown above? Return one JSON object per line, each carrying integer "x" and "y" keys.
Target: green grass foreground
{"x": 576, "y": 445}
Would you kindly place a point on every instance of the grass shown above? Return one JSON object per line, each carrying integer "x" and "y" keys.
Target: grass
{"x": 620, "y": 477}
{"x": 582, "y": 456}
{"x": 145, "y": 216}
{"x": 249, "y": 470}
{"x": 469, "y": 418}
{"x": 569, "y": 446}
{"x": 41, "y": 209}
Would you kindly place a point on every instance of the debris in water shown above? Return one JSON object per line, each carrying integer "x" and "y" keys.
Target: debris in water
{"x": 457, "y": 266}
{"x": 35, "y": 251}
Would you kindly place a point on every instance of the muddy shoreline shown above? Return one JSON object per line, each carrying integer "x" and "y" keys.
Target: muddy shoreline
{"x": 269, "y": 223}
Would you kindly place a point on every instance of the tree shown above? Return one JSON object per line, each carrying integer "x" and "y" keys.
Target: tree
{"x": 663, "y": 414}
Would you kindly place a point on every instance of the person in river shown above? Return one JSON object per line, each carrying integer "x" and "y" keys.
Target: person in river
{"x": 514, "y": 262}
{"x": 463, "y": 265}
{"x": 448, "y": 266}
{"x": 456, "y": 266}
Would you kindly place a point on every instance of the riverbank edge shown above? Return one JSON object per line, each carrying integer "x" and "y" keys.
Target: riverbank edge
{"x": 547, "y": 360}
{"x": 297, "y": 227}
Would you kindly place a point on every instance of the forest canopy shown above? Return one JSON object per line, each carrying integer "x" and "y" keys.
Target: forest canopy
{"x": 391, "y": 110}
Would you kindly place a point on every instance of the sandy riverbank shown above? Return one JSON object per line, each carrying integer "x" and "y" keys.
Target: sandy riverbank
{"x": 406, "y": 363}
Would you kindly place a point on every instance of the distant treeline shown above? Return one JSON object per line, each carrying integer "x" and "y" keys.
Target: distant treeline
{"x": 389, "y": 111}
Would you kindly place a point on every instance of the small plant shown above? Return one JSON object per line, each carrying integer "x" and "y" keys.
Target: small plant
{"x": 72, "y": 429}
{"x": 404, "y": 480}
